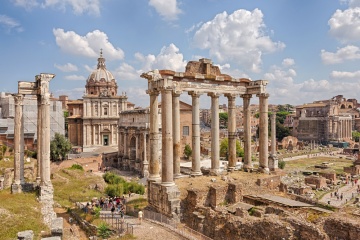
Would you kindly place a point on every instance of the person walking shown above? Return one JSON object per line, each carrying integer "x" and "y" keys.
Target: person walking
{"x": 140, "y": 215}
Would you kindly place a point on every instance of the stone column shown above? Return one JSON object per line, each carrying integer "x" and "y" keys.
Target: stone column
{"x": 247, "y": 131}
{"x": 125, "y": 144}
{"x": 154, "y": 137}
{"x": 195, "y": 170}
{"x": 264, "y": 132}
{"x": 215, "y": 145}
{"x": 18, "y": 129}
{"x": 38, "y": 140}
{"x": 119, "y": 142}
{"x": 137, "y": 145}
{"x": 145, "y": 161}
{"x": 176, "y": 132}
{"x": 273, "y": 134}
{"x": 43, "y": 82}
{"x": 167, "y": 168}
{"x": 231, "y": 131}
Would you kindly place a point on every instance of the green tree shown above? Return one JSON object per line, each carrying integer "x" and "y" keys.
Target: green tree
{"x": 224, "y": 145}
{"x": 356, "y": 136}
{"x": 104, "y": 230}
{"x": 59, "y": 147}
{"x": 223, "y": 118}
{"x": 187, "y": 151}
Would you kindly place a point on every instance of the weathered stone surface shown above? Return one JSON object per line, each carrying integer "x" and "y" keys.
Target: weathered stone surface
{"x": 52, "y": 238}
{"x": 25, "y": 235}
{"x": 337, "y": 228}
{"x": 57, "y": 226}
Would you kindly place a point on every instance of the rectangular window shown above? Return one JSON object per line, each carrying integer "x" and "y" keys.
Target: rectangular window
{"x": 105, "y": 111}
{"x": 186, "y": 131}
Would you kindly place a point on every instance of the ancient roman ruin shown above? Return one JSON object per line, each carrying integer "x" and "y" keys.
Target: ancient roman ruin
{"x": 40, "y": 88}
{"x": 200, "y": 77}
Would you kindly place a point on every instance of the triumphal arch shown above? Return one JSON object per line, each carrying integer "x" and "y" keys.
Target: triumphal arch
{"x": 200, "y": 78}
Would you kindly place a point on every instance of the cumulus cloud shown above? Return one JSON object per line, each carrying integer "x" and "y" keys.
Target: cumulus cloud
{"x": 281, "y": 77}
{"x": 240, "y": 36}
{"x": 349, "y": 52}
{"x": 345, "y": 75}
{"x": 68, "y": 67}
{"x": 168, "y": 58}
{"x": 287, "y": 62}
{"x": 75, "y": 77}
{"x": 78, "y": 6}
{"x": 88, "y": 45}
{"x": 315, "y": 86}
{"x": 126, "y": 72}
{"x": 345, "y": 25}
{"x": 167, "y": 9}
{"x": 9, "y": 24}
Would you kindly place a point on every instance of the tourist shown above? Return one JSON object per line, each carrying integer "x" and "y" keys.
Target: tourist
{"x": 140, "y": 215}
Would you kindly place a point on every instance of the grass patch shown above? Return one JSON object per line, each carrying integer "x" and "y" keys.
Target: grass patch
{"x": 73, "y": 185}
{"x": 138, "y": 203}
{"x": 20, "y": 212}
{"x": 336, "y": 164}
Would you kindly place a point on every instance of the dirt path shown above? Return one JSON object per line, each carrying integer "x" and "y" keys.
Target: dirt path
{"x": 71, "y": 231}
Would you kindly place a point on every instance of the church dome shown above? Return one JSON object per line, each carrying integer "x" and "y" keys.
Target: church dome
{"x": 101, "y": 82}
{"x": 101, "y": 73}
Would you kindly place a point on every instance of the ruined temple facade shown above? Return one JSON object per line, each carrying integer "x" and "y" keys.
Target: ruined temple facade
{"x": 93, "y": 120}
{"x": 325, "y": 121}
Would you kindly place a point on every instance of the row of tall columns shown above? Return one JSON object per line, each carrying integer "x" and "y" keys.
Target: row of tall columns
{"x": 344, "y": 129}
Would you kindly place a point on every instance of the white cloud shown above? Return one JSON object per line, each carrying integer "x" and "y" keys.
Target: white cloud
{"x": 240, "y": 36}
{"x": 345, "y": 25}
{"x": 75, "y": 77}
{"x": 315, "y": 86}
{"x": 78, "y": 6}
{"x": 27, "y": 4}
{"x": 88, "y": 45}
{"x": 281, "y": 77}
{"x": 345, "y": 75}
{"x": 349, "y": 52}
{"x": 168, "y": 9}
{"x": 287, "y": 62}
{"x": 68, "y": 67}
{"x": 126, "y": 72}
{"x": 8, "y": 23}
{"x": 354, "y": 3}
{"x": 168, "y": 58}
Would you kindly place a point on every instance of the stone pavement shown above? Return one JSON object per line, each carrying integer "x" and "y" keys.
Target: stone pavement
{"x": 349, "y": 192}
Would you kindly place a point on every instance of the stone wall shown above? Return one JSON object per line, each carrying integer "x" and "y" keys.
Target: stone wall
{"x": 330, "y": 176}
{"x": 269, "y": 182}
{"x": 319, "y": 182}
{"x": 337, "y": 228}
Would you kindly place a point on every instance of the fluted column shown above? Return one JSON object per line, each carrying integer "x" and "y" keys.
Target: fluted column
{"x": 195, "y": 170}
{"x": 167, "y": 167}
{"x": 264, "y": 132}
{"x": 154, "y": 137}
{"x": 145, "y": 161}
{"x": 38, "y": 140}
{"x": 231, "y": 131}
{"x": 215, "y": 148}
{"x": 18, "y": 143}
{"x": 176, "y": 132}
{"x": 247, "y": 131}
{"x": 43, "y": 81}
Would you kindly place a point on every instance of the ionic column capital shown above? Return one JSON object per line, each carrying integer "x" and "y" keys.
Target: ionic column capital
{"x": 263, "y": 95}
{"x": 176, "y": 93}
{"x": 19, "y": 99}
{"x": 153, "y": 92}
{"x": 247, "y": 96}
{"x": 214, "y": 94}
{"x": 194, "y": 94}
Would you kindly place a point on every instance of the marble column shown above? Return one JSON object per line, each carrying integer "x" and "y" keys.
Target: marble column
{"x": 125, "y": 144}
{"x": 43, "y": 81}
{"x": 176, "y": 132}
{"x": 154, "y": 162}
{"x": 195, "y": 170}
{"x": 145, "y": 161}
{"x": 215, "y": 144}
{"x": 167, "y": 167}
{"x": 137, "y": 136}
{"x": 231, "y": 131}
{"x": 247, "y": 131}
{"x": 38, "y": 140}
{"x": 18, "y": 143}
{"x": 273, "y": 134}
{"x": 264, "y": 132}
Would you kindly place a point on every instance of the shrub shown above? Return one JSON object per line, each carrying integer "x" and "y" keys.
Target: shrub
{"x": 104, "y": 230}
{"x": 187, "y": 151}
{"x": 281, "y": 164}
{"x": 76, "y": 167}
{"x": 112, "y": 178}
{"x": 113, "y": 190}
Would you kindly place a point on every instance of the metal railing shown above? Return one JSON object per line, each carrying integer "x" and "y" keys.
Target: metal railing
{"x": 175, "y": 226}
{"x": 117, "y": 223}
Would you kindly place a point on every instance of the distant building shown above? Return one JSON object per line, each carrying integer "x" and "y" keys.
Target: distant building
{"x": 7, "y": 114}
{"x": 324, "y": 121}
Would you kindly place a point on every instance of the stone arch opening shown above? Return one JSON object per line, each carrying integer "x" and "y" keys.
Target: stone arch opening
{"x": 132, "y": 147}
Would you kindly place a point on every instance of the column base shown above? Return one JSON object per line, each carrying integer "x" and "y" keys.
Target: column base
{"x": 16, "y": 188}
{"x": 248, "y": 167}
{"x": 178, "y": 175}
{"x": 214, "y": 172}
{"x": 167, "y": 184}
{"x": 155, "y": 178}
{"x": 196, "y": 174}
{"x": 264, "y": 169}
{"x": 231, "y": 169}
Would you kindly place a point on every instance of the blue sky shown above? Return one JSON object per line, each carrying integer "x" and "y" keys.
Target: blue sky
{"x": 307, "y": 49}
